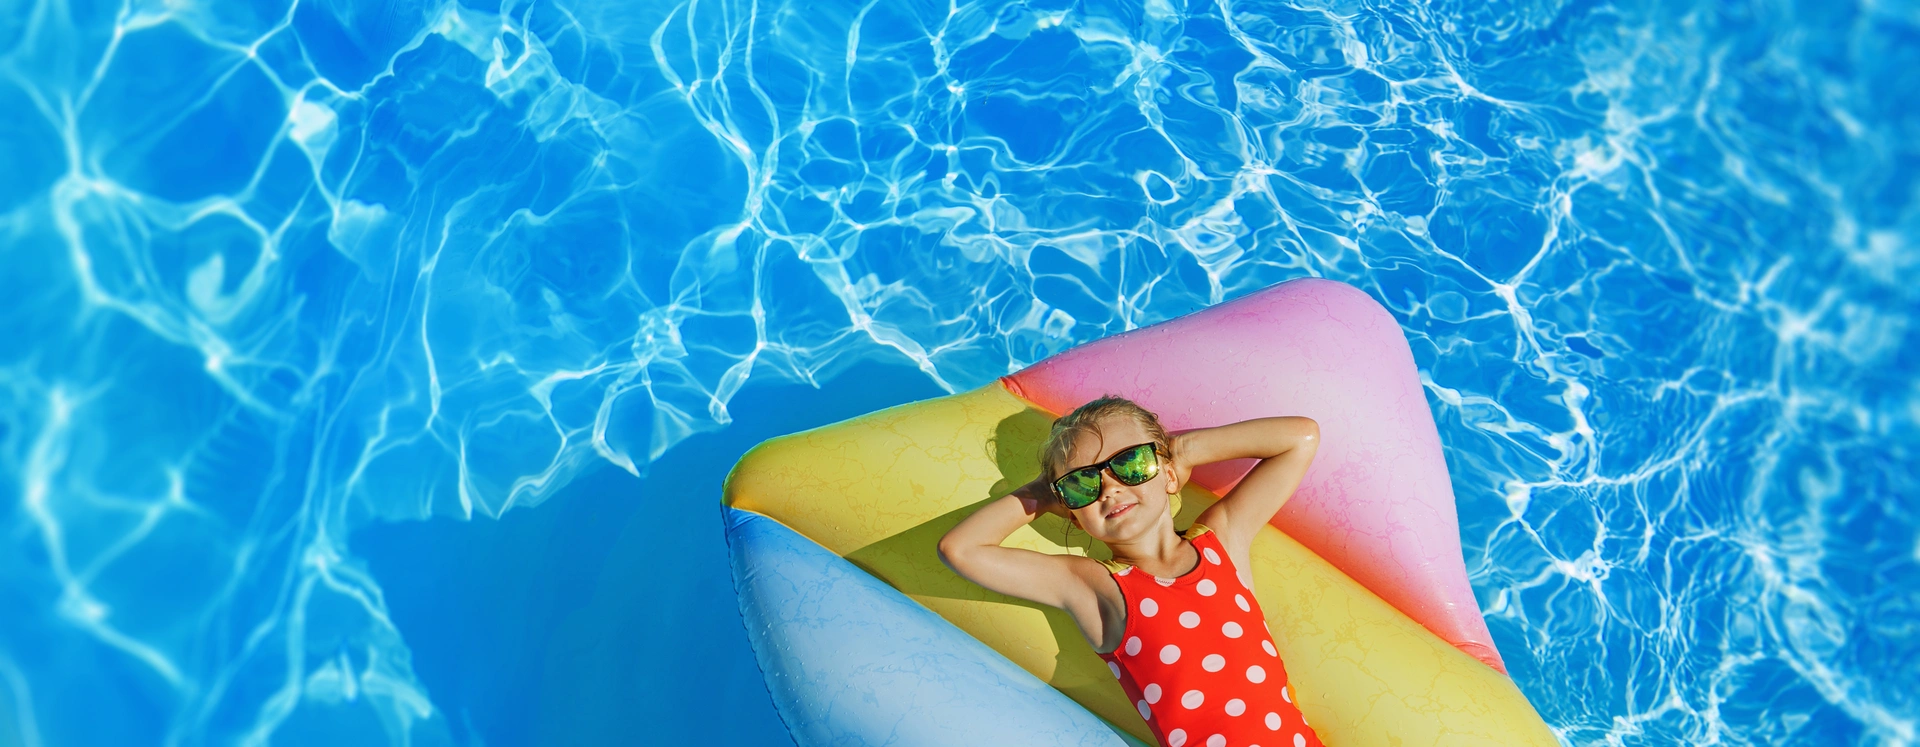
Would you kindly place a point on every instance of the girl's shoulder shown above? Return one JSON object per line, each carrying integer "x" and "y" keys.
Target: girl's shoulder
{"x": 1209, "y": 542}
{"x": 1202, "y": 537}
{"x": 1098, "y": 573}
{"x": 1113, "y": 567}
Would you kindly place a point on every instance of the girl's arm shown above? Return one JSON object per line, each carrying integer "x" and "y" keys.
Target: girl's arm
{"x": 972, "y": 549}
{"x": 1284, "y": 446}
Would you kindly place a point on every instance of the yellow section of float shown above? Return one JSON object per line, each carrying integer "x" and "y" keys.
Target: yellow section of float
{"x": 880, "y": 490}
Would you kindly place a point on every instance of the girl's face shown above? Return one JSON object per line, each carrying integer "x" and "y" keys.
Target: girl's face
{"x": 1123, "y": 512}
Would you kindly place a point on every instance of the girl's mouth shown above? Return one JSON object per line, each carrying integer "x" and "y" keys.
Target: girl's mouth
{"x": 1121, "y": 510}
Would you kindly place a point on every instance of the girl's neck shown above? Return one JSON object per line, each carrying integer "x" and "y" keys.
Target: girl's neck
{"x": 1160, "y": 552}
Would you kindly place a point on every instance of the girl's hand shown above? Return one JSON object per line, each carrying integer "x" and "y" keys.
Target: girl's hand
{"x": 1037, "y": 498}
{"x": 1181, "y": 465}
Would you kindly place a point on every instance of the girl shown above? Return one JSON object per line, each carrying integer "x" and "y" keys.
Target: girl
{"x": 1173, "y": 614}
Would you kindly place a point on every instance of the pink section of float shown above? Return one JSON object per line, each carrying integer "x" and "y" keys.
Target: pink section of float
{"x": 1377, "y": 502}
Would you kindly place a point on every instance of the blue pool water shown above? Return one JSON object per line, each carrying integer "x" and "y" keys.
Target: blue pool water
{"x": 372, "y": 367}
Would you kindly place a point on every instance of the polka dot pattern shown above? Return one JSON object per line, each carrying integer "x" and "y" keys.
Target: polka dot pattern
{"x": 1211, "y": 653}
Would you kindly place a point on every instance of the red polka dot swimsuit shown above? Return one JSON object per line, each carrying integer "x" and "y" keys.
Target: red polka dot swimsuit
{"x": 1198, "y": 661}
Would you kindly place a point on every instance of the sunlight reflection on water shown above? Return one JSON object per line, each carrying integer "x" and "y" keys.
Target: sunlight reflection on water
{"x": 288, "y": 270}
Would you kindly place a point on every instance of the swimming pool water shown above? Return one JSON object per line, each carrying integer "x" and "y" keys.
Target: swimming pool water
{"x": 373, "y": 366}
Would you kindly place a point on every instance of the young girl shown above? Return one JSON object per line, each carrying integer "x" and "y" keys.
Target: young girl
{"x": 1173, "y": 614}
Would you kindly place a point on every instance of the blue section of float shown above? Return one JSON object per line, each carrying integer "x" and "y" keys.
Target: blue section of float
{"x": 851, "y": 661}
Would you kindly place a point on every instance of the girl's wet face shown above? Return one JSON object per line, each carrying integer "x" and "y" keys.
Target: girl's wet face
{"x": 1123, "y": 511}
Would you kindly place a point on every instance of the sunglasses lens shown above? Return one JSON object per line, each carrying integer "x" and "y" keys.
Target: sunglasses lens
{"x": 1136, "y": 465}
{"x": 1080, "y": 487}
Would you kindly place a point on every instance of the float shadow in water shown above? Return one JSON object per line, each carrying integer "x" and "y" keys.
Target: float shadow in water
{"x": 606, "y": 615}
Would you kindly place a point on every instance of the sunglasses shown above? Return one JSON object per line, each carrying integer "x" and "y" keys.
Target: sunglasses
{"x": 1133, "y": 465}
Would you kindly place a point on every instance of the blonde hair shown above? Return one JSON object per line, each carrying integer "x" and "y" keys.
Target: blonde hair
{"x": 1083, "y": 421}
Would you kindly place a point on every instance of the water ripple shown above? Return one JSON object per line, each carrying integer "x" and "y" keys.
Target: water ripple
{"x": 287, "y": 268}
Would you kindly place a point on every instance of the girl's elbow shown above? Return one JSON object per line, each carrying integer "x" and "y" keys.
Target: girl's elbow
{"x": 950, "y": 551}
{"x": 1301, "y": 431}
{"x": 957, "y": 559}
{"x": 1295, "y": 434}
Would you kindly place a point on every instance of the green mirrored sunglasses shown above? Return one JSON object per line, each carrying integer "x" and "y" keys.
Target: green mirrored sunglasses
{"x": 1133, "y": 465}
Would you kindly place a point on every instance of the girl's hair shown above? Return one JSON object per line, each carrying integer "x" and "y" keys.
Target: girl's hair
{"x": 1082, "y": 421}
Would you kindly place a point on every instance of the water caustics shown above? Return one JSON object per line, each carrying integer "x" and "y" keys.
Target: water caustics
{"x": 277, "y": 270}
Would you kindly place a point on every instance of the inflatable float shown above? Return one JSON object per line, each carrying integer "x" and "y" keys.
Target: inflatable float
{"x": 865, "y": 638}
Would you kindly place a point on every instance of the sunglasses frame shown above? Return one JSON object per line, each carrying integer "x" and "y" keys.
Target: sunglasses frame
{"x": 1106, "y": 466}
